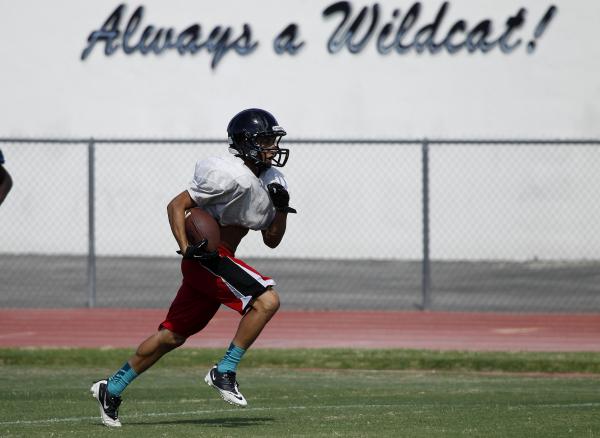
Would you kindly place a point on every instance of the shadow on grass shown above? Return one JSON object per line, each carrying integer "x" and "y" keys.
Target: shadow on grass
{"x": 217, "y": 422}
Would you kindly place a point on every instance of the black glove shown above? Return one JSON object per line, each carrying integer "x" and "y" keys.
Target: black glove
{"x": 199, "y": 252}
{"x": 280, "y": 198}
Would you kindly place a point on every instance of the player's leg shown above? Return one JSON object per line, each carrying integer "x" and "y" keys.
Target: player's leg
{"x": 108, "y": 391}
{"x": 254, "y": 321}
{"x": 146, "y": 355}
{"x": 189, "y": 313}
{"x": 223, "y": 375}
{"x": 251, "y": 294}
{"x": 153, "y": 348}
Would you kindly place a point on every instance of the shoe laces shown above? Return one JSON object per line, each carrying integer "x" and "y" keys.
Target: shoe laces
{"x": 112, "y": 402}
{"x": 229, "y": 377}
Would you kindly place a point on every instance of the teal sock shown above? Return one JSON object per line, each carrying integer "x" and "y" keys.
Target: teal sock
{"x": 231, "y": 359}
{"x": 119, "y": 380}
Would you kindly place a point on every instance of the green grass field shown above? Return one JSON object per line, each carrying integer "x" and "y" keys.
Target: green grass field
{"x": 310, "y": 393}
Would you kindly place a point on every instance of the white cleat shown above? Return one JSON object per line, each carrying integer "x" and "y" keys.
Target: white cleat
{"x": 227, "y": 386}
{"x": 109, "y": 404}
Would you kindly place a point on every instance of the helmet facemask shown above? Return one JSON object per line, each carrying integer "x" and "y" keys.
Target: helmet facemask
{"x": 270, "y": 152}
{"x": 261, "y": 149}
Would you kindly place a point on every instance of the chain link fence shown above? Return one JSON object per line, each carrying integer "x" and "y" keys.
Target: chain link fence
{"x": 383, "y": 224}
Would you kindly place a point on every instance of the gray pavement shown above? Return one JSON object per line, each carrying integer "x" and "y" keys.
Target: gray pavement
{"x": 536, "y": 286}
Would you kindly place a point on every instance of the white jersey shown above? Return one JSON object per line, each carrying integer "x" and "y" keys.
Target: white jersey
{"x": 227, "y": 189}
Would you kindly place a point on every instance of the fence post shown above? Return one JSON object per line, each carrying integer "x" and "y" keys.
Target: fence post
{"x": 426, "y": 271}
{"x": 91, "y": 268}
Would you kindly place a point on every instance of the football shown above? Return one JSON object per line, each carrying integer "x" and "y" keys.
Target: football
{"x": 201, "y": 225}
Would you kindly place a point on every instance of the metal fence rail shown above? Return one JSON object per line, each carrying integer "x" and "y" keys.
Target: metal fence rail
{"x": 360, "y": 152}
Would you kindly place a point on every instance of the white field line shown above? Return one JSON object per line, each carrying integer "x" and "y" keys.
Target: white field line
{"x": 282, "y": 408}
{"x": 557, "y": 405}
{"x": 212, "y": 411}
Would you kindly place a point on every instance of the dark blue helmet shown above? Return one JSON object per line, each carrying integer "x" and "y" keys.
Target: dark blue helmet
{"x": 249, "y": 130}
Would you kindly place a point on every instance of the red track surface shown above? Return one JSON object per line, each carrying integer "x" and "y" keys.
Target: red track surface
{"x": 291, "y": 329}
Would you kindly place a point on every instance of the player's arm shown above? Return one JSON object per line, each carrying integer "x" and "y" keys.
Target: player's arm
{"x": 176, "y": 210}
{"x": 5, "y": 183}
{"x": 280, "y": 198}
{"x": 273, "y": 235}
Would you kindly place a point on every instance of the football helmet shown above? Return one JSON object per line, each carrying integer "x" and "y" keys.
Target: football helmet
{"x": 254, "y": 133}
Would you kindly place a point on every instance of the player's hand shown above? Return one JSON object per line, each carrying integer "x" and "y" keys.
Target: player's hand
{"x": 280, "y": 198}
{"x": 199, "y": 252}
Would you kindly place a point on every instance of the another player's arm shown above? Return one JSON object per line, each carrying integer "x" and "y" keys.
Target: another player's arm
{"x": 176, "y": 211}
{"x": 5, "y": 183}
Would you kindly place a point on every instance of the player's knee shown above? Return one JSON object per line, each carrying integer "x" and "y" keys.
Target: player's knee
{"x": 170, "y": 339}
{"x": 268, "y": 302}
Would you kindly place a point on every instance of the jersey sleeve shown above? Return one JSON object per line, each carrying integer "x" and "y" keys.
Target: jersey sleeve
{"x": 272, "y": 175}
{"x": 209, "y": 185}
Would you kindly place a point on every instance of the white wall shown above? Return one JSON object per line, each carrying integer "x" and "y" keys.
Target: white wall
{"x": 46, "y": 90}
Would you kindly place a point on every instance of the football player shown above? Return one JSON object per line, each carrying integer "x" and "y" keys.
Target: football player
{"x": 5, "y": 180}
{"x": 242, "y": 192}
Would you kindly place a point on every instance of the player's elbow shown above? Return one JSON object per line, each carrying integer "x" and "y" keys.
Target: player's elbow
{"x": 171, "y": 207}
{"x": 174, "y": 204}
{"x": 271, "y": 244}
{"x": 272, "y": 241}
{"x": 183, "y": 201}
{"x": 170, "y": 210}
